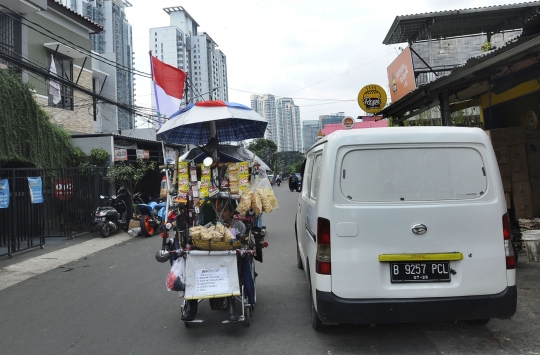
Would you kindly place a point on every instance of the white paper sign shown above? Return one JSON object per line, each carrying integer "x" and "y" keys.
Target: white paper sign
{"x": 213, "y": 280}
{"x": 211, "y": 274}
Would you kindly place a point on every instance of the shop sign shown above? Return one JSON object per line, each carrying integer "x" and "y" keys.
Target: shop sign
{"x": 348, "y": 122}
{"x": 372, "y": 98}
{"x": 401, "y": 75}
{"x": 63, "y": 189}
{"x": 143, "y": 154}
{"x": 120, "y": 154}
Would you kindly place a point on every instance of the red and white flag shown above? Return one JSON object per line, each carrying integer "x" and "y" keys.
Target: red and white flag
{"x": 168, "y": 86}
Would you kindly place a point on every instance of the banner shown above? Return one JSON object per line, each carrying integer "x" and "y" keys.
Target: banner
{"x": 120, "y": 154}
{"x": 36, "y": 189}
{"x": 401, "y": 75}
{"x": 4, "y": 193}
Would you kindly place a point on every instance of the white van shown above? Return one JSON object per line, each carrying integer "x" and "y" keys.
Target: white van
{"x": 405, "y": 224}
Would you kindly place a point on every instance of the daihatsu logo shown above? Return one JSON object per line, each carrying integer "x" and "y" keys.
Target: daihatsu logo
{"x": 419, "y": 229}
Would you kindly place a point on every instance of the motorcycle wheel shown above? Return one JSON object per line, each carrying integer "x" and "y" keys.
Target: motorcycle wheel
{"x": 147, "y": 227}
{"x": 105, "y": 230}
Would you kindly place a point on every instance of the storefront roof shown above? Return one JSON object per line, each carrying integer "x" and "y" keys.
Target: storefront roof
{"x": 462, "y": 22}
{"x": 497, "y": 71}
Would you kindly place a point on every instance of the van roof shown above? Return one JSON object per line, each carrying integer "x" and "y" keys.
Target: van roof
{"x": 393, "y": 135}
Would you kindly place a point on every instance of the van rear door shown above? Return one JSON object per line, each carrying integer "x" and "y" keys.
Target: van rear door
{"x": 429, "y": 222}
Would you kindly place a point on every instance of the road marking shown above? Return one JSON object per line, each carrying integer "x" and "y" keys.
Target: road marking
{"x": 13, "y": 274}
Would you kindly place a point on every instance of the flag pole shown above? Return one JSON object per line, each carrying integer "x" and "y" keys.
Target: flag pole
{"x": 155, "y": 88}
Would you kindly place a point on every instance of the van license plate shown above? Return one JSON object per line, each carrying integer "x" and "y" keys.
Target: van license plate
{"x": 427, "y": 271}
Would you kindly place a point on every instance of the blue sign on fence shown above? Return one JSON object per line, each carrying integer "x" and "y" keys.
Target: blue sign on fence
{"x": 4, "y": 193}
{"x": 36, "y": 189}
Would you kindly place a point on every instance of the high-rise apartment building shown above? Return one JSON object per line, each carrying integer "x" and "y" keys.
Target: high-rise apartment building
{"x": 310, "y": 133}
{"x": 332, "y": 118}
{"x": 289, "y": 129}
{"x": 265, "y": 105}
{"x": 181, "y": 46}
{"x": 114, "y": 76}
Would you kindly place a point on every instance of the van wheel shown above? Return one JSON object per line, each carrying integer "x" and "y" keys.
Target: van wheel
{"x": 478, "y": 322}
{"x": 316, "y": 322}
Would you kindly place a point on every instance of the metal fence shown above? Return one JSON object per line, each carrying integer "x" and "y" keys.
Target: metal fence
{"x": 70, "y": 197}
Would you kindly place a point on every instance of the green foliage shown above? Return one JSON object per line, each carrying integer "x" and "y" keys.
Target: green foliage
{"x": 486, "y": 46}
{"x": 263, "y": 148}
{"x": 99, "y": 155}
{"x": 78, "y": 157}
{"x": 27, "y": 135}
{"x": 128, "y": 175}
{"x": 295, "y": 168}
{"x": 287, "y": 161}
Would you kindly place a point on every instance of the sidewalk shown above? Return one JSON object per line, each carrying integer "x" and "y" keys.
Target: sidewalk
{"x": 57, "y": 252}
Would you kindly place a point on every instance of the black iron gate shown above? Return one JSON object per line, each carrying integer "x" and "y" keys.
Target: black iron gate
{"x": 70, "y": 197}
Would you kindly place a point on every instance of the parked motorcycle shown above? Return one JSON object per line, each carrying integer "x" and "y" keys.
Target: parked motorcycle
{"x": 110, "y": 218}
{"x": 152, "y": 216}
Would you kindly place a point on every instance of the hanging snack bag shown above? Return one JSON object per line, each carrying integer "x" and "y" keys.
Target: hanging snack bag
{"x": 183, "y": 176}
{"x": 269, "y": 193}
{"x": 243, "y": 176}
{"x": 245, "y": 202}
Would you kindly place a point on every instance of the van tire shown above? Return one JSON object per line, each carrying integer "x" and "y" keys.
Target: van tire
{"x": 478, "y": 322}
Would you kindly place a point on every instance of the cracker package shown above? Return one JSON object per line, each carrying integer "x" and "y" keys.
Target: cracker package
{"x": 183, "y": 177}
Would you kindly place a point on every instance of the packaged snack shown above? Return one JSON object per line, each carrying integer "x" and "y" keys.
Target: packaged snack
{"x": 232, "y": 167}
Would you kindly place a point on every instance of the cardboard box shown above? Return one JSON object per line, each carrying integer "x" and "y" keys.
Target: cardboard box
{"x": 533, "y": 157}
{"x": 504, "y": 137}
{"x": 535, "y": 196}
{"x": 518, "y": 161}
{"x": 522, "y": 199}
{"x": 502, "y": 154}
{"x": 134, "y": 223}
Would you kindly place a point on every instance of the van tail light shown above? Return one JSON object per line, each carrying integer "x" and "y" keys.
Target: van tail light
{"x": 508, "y": 248}
{"x": 322, "y": 260}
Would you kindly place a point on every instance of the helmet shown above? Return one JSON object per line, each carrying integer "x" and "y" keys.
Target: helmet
{"x": 162, "y": 255}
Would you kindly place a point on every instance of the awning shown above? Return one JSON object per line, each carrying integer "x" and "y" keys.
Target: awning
{"x": 462, "y": 22}
{"x": 65, "y": 50}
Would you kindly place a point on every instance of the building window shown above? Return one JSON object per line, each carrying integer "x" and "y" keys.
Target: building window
{"x": 64, "y": 69}
{"x": 155, "y": 39}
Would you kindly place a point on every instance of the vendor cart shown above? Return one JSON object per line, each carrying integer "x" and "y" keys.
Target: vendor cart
{"x": 218, "y": 257}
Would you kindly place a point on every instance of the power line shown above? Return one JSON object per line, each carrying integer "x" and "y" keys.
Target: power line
{"x": 77, "y": 47}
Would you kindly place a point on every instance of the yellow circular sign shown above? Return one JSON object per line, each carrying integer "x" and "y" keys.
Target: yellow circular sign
{"x": 372, "y": 98}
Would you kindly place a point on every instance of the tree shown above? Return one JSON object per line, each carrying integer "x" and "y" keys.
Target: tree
{"x": 264, "y": 149}
{"x": 128, "y": 175}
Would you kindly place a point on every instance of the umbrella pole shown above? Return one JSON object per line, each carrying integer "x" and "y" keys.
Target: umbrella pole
{"x": 167, "y": 176}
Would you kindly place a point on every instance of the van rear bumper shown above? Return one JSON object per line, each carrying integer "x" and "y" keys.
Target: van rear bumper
{"x": 333, "y": 309}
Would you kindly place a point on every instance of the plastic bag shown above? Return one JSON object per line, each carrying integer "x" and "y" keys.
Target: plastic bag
{"x": 176, "y": 279}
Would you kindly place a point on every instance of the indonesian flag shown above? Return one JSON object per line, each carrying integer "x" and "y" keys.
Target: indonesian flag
{"x": 168, "y": 86}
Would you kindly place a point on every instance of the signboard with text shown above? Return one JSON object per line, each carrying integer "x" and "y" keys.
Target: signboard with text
{"x": 372, "y": 98}
{"x": 401, "y": 75}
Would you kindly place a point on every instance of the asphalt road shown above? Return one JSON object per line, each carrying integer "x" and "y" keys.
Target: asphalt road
{"x": 114, "y": 301}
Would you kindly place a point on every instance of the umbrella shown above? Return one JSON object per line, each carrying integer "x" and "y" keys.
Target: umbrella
{"x": 196, "y": 123}
{"x": 227, "y": 153}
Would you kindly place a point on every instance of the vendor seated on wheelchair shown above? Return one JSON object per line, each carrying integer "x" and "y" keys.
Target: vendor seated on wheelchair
{"x": 225, "y": 214}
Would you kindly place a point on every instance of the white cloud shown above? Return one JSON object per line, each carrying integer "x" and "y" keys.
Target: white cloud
{"x": 303, "y": 49}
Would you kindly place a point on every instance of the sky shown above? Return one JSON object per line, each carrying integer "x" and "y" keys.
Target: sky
{"x": 320, "y": 53}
